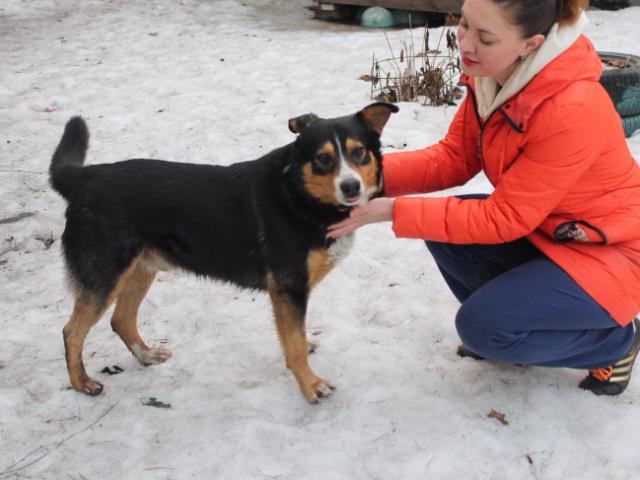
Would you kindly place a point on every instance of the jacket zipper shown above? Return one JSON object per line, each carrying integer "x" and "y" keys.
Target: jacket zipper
{"x": 479, "y": 147}
{"x": 481, "y": 125}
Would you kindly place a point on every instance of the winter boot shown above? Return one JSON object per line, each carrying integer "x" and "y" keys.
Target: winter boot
{"x": 613, "y": 380}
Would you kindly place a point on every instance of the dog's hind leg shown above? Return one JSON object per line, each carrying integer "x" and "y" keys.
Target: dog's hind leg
{"x": 125, "y": 315}
{"x": 88, "y": 309}
{"x": 86, "y": 313}
{"x": 289, "y": 309}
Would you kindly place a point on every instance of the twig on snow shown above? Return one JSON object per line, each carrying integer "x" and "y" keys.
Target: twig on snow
{"x": 48, "y": 449}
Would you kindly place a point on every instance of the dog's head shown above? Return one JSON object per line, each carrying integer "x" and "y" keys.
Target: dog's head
{"x": 339, "y": 159}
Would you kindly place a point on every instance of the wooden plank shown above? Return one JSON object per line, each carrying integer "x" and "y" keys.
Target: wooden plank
{"x": 445, "y": 6}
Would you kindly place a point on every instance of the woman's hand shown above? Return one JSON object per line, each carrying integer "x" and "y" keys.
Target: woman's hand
{"x": 377, "y": 210}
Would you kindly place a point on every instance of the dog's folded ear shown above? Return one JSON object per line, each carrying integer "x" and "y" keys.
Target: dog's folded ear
{"x": 297, "y": 124}
{"x": 377, "y": 114}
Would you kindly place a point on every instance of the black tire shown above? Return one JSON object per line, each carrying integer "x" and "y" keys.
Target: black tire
{"x": 630, "y": 124}
{"x": 622, "y": 84}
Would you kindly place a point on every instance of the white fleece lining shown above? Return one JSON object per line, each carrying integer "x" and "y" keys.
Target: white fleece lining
{"x": 557, "y": 41}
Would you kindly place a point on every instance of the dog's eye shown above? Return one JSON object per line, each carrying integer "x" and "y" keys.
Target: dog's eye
{"x": 357, "y": 153}
{"x": 324, "y": 159}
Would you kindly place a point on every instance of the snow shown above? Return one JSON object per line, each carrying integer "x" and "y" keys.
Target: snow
{"x": 216, "y": 82}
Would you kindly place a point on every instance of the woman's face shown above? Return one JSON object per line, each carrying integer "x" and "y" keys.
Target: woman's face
{"x": 490, "y": 45}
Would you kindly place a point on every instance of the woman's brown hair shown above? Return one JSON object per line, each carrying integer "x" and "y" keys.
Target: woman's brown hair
{"x": 538, "y": 16}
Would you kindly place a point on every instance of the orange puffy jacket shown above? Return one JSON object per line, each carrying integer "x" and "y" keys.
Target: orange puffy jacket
{"x": 563, "y": 175}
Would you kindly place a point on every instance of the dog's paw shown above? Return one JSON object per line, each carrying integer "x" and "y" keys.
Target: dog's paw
{"x": 153, "y": 356}
{"x": 318, "y": 389}
{"x": 89, "y": 386}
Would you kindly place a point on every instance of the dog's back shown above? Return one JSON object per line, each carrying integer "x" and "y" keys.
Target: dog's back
{"x": 200, "y": 218}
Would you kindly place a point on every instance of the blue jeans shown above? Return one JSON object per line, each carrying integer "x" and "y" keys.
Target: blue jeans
{"x": 520, "y": 307}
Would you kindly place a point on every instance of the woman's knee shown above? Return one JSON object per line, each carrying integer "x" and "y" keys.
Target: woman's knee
{"x": 471, "y": 330}
{"x": 481, "y": 329}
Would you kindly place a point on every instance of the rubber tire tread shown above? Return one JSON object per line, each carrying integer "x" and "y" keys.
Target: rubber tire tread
{"x": 623, "y": 85}
{"x": 630, "y": 125}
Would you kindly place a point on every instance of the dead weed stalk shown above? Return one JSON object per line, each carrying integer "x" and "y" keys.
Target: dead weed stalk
{"x": 428, "y": 76}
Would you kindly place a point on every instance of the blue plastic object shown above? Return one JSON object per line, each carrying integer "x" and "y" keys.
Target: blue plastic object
{"x": 377, "y": 17}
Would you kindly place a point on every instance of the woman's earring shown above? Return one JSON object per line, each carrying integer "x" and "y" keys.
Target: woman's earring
{"x": 523, "y": 57}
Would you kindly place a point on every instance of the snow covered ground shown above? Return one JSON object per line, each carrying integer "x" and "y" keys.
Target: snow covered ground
{"x": 216, "y": 82}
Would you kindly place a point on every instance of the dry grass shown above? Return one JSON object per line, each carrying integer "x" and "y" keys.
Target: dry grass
{"x": 428, "y": 76}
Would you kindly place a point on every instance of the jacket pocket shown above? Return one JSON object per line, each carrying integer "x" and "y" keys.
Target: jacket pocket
{"x": 573, "y": 231}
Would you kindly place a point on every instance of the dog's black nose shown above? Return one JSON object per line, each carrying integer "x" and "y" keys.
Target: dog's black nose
{"x": 350, "y": 188}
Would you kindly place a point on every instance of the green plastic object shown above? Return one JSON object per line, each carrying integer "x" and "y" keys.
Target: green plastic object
{"x": 376, "y": 17}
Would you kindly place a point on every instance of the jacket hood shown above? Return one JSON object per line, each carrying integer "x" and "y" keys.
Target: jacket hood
{"x": 564, "y": 57}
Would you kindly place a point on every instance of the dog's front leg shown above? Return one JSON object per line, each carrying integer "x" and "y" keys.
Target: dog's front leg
{"x": 289, "y": 307}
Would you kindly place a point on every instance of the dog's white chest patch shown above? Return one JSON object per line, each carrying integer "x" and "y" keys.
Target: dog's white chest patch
{"x": 341, "y": 247}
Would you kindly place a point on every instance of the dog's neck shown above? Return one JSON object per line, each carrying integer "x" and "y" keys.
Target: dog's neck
{"x": 304, "y": 206}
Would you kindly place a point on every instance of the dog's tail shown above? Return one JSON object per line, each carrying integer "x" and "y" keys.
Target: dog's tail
{"x": 69, "y": 155}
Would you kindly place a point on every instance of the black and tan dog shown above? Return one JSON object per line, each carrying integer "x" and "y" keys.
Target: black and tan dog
{"x": 259, "y": 224}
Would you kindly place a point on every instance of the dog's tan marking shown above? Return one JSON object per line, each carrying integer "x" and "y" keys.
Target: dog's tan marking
{"x": 320, "y": 186}
{"x": 86, "y": 313}
{"x": 125, "y": 315}
{"x": 319, "y": 263}
{"x": 327, "y": 149}
{"x": 369, "y": 174}
{"x": 292, "y": 334}
{"x": 352, "y": 144}
{"x": 130, "y": 290}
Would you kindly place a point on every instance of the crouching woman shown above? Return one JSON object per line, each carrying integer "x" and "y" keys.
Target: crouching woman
{"x": 546, "y": 267}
